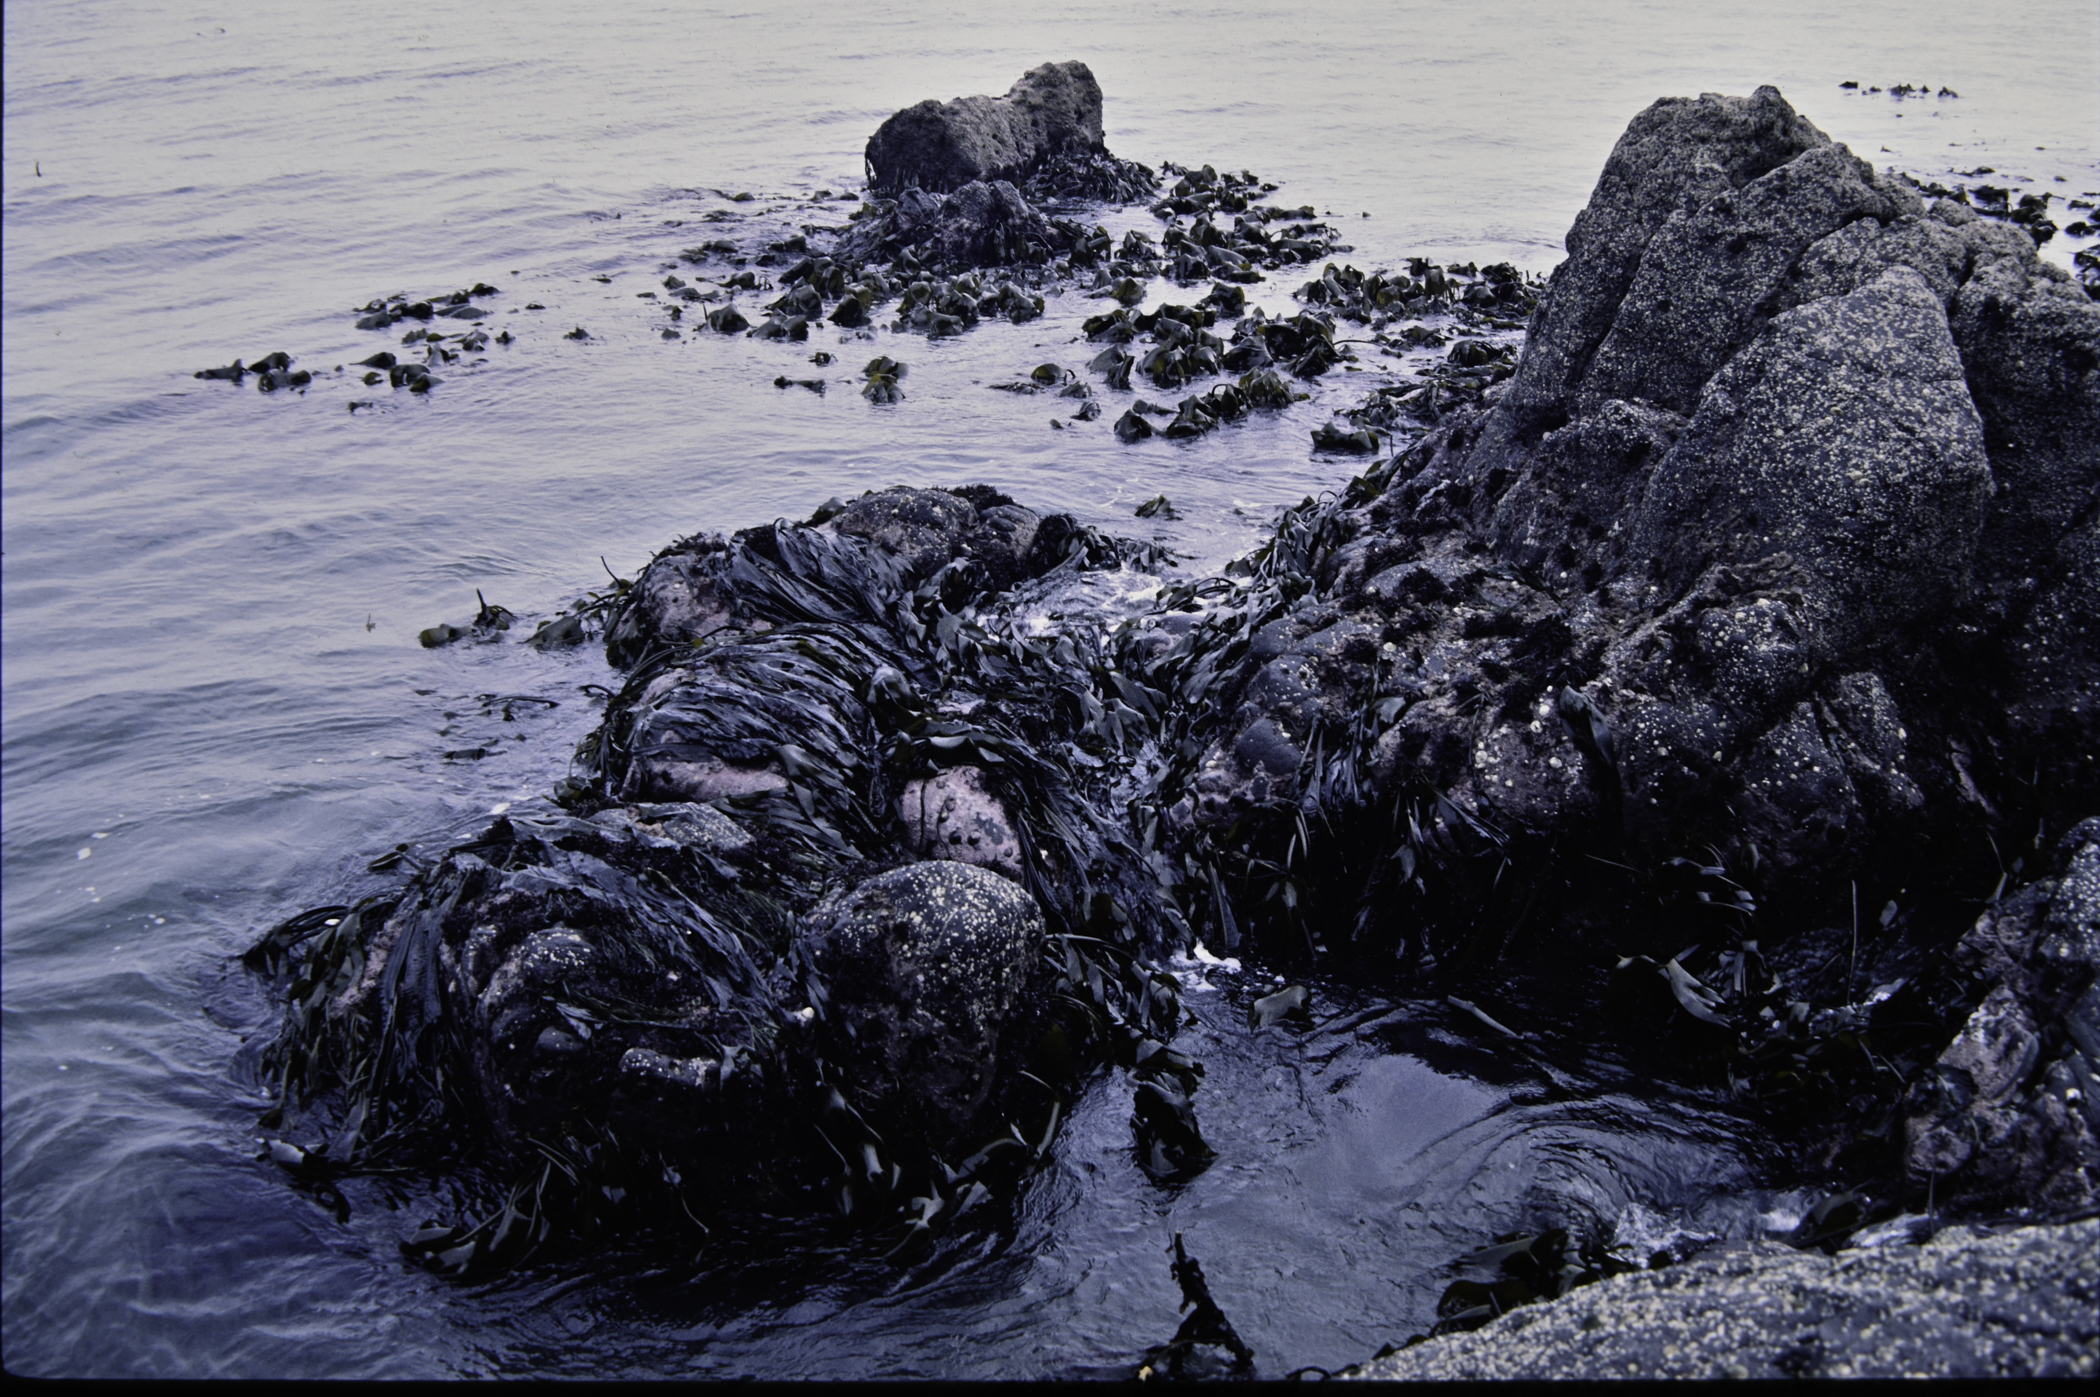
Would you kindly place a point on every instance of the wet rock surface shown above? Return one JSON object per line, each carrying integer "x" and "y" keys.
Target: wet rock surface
{"x": 1969, "y": 1303}
{"x": 2008, "y": 1110}
{"x": 926, "y": 965}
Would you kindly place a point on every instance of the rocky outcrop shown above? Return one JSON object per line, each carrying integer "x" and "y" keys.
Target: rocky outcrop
{"x": 1760, "y": 596}
{"x": 1967, "y": 1304}
{"x": 1055, "y": 109}
{"x": 1743, "y": 497}
{"x": 1764, "y": 587}
{"x": 1675, "y": 158}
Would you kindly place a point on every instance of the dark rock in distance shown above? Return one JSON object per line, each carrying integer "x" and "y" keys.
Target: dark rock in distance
{"x": 1054, "y": 109}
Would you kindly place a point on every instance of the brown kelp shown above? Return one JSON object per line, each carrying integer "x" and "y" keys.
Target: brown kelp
{"x": 651, "y": 943}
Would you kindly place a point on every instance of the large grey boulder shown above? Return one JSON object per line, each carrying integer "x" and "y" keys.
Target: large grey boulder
{"x": 1675, "y": 158}
{"x": 1055, "y": 108}
{"x": 924, "y": 969}
{"x": 1709, "y": 280}
{"x": 1967, "y": 1304}
{"x": 1844, "y": 438}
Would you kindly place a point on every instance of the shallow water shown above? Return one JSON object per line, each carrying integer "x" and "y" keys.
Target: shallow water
{"x": 216, "y": 711}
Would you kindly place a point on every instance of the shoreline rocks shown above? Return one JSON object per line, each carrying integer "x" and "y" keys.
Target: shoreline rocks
{"x": 1969, "y": 1303}
{"x": 1757, "y": 591}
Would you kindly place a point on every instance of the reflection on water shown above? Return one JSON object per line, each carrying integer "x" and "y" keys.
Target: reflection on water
{"x": 1359, "y": 1160}
{"x": 216, "y": 711}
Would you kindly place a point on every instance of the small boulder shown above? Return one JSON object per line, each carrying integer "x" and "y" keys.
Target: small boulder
{"x": 925, "y": 967}
{"x": 953, "y": 815}
{"x": 674, "y": 602}
{"x": 1002, "y": 542}
{"x": 923, "y": 528}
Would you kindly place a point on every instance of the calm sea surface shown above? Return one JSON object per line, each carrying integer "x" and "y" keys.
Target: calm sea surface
{"x": 216, "y": 711}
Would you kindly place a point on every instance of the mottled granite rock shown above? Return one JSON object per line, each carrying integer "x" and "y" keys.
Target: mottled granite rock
{"x": 1968, "y": 1304}
{"x": 1844, "y": 438}
{"x": 954, "y": 815}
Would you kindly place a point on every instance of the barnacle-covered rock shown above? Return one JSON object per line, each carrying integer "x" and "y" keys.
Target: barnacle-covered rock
{"x": 926, "y": 966}
{"x": 1845, "y": 438}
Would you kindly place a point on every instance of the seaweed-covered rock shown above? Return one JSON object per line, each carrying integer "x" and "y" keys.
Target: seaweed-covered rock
{"x": 981, "y": 224}
{"x": 926, "y": 965}
{"x": 698, "y": 982}
{"x": 1054, "y": 108}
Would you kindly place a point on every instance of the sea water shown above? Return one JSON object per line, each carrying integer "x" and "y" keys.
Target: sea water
{"x": 216, "y": 711}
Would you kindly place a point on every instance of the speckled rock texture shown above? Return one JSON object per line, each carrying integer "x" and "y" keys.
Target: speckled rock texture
{"x": 1675, "y": 158}
{"x": 925, "y": 966}
{"x": 1968, "y": 1304}
{"x": 1054, "y": 108}
{"x": 1844, "y": 438}
{"x": 954, "y": 815}
{"x": 921, "y": 528}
